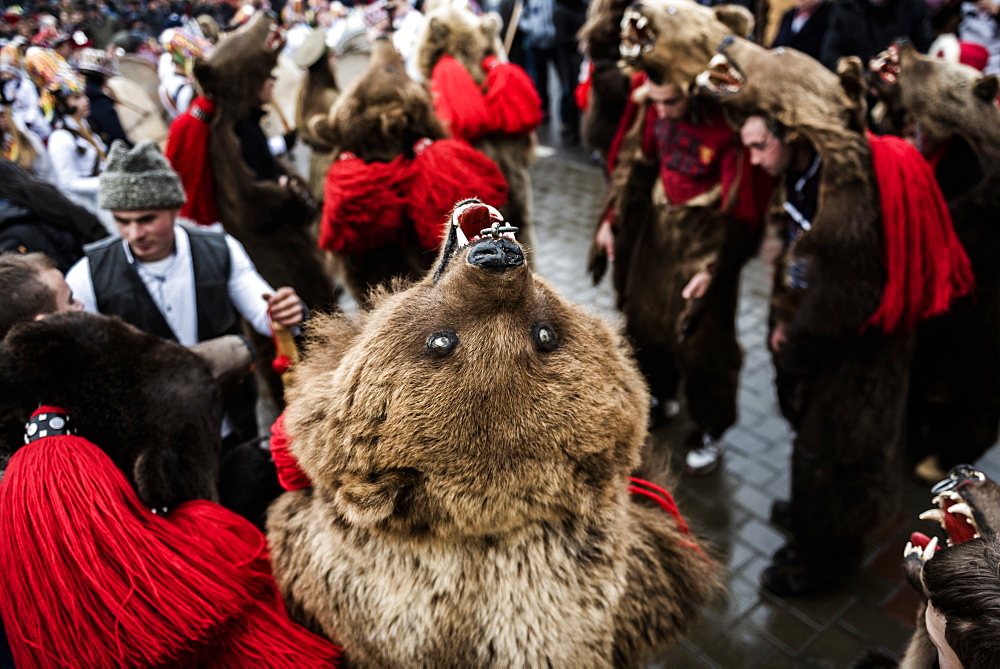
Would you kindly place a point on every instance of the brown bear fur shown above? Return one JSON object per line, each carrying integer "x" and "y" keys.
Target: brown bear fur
{"x": 471, "y": 509}
{"x": 955, "y": 387}
{"x": 378, "y": 118}
{"x": 264, "y": 216}
{"x": 658, "y": 249}
{"x": 609, "y": 86}
{"x": 151, "y": 405}
{"x": 840, "y": 389}
{"x": 469, "y": 39}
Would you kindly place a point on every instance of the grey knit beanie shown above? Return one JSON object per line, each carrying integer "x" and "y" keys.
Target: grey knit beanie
{"x": 139, "y": 179}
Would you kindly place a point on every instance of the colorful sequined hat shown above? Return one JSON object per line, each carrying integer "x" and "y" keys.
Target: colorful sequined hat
{"x": 184, "y": 46}
{"x": 53, "y": 75}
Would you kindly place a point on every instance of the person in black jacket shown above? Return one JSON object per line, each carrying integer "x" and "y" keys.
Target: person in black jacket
{"x": 864, "y": 28}
{"x": 804, "y": 26}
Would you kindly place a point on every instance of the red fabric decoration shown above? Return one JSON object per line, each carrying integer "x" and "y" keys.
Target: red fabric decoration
{"x": 666, "y": 501}
{"x": 445, "y": 172}
{"x": 511, "y": 98}
{"x": 363, "y": 204}
{"x": 458, "y": 102}
{"x": 290, "y": 476}
{"x": 973, "y": 55}
{"x": 926, "y": 265}
{"x": 628, "y": 118}
{"x": 281, "y": 364}
{"x": 92, "y": 578}
{"x": 187, "y": 151}
{"x": 582, "y": 91}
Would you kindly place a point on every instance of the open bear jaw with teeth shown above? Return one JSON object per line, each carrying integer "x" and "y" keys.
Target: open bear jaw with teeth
{"x": 637, "y": 35}
{"x": 953, "y": 512}
{"x": 885, "y": 65}
{"x": 722, "y": 78}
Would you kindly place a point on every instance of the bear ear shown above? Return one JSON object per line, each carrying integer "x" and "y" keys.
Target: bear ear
{"x": 986, "y": 88}
{"x": 438, "y": 29}
{"x": 203, "y": 74}
{"x": 736, "y": 18}
{"x": 851, "y": 73}
{"x": 491, "y": 24}
{"x": 372, "y": 499}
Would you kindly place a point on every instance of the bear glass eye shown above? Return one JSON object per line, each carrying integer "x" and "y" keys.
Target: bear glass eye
{"x": 545, "y": 338}
{"x": 441, "y": 344}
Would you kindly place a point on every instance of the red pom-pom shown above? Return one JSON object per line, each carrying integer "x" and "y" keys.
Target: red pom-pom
{"x": 511, "y": 98}
{"x": 445, "y": 172}
{"x": 363, "y": 204}
{"x": 281, "y": 364}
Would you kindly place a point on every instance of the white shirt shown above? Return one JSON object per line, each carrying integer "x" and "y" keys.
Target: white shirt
{"x": 170, "y": 283}
{"x": 74, "y": 161}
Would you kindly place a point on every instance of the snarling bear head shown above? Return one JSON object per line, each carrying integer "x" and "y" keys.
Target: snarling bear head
{"x": 472, "y": 403}
{"x": 961, "y": 580}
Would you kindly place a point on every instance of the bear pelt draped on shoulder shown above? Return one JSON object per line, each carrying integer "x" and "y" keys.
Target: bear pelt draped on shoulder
{"x": 470, "y": 441}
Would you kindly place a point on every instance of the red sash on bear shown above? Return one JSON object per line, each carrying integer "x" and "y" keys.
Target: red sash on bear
{"x": 366, "y": 204}
{"x": 187, "y": 151}
{"x": 926, "y": 265}
{"x": 510, "y": 105}
{"x": 91, "y": 577}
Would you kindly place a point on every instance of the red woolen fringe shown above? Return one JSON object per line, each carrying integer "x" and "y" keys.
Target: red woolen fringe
{"x": 926, "y": 265}
{"x": 92, "y": 578}
{"x": 458, "y": 101}
{"x": 511, "y": 98}
{"x": 445, "y": 172}
{"x": 290, "y": 475}
{"x": 363, "y": 204}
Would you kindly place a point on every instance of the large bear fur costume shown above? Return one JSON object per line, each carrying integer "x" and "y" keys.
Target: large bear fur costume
{"x": 469, "y": 441}
{"x": 268, "y": 219}
{"x": 153, "y": 405}
{"x": 954, "y": 410}
{"x": 469, "y": 39}
{"x": 845, "y": 473}
{"x": 609, "y": 86}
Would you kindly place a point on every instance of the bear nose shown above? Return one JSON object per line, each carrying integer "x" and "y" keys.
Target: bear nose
{"x": 496, "y": 255}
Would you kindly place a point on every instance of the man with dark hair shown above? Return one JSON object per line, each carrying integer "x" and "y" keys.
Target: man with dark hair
{"x": 30, "y": 288}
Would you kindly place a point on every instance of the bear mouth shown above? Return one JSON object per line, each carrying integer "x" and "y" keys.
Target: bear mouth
{"x": 885, "y": 65}
{"x": 472, "y": 214}
{"x": 953, "y": 512}
{"x": 637, "y": 36}
{"x": 722, "y": 78}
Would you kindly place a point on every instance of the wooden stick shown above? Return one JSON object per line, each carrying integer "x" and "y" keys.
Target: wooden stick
{"x": 515, "y": 18}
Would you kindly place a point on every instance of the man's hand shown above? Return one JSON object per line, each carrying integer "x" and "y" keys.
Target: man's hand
{"x": 697, "y": 286}
{"x": 778, "y": 337}
{"x": 285, "y": 307}
{"x": 605, "y": 239}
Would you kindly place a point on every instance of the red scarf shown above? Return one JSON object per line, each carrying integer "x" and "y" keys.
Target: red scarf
{"x": 926, "y": 265}
{"x": 188, "y": 153}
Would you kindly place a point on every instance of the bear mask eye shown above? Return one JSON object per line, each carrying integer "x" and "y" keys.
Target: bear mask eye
{"x": 545, "y": 338}
{"x": 441, "y": 344}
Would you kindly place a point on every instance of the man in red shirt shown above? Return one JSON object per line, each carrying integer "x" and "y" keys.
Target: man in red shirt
{"x": 682, "y": 217}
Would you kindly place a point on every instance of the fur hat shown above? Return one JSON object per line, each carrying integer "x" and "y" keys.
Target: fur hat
{"x": 97, "y": 61}
{"x": 138, "y": 179}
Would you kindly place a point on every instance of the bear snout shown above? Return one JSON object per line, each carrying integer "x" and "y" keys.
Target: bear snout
{"x": 496, "y": 255}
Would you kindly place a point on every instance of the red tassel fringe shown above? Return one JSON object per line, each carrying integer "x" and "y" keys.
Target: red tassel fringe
{"x": 290, "y": 475}
{"x": 445, "y": 172}
{"x": 926, "y": 265}
{"x": 363, "y": 204}
{"x": 92, "y": 578}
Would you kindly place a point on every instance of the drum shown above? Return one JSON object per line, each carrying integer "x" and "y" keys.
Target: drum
{"x": 141, "y": 115}
{"x": 280, "y": 117}
{"x": 354, "y": 53}
{"x": 141, "y": 72}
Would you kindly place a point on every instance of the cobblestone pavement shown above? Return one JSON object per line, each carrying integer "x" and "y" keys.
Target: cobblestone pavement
{"x": 747, "y": 627}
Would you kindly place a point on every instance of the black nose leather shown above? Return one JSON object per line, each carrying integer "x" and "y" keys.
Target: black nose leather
{"x": 496, "y": 255}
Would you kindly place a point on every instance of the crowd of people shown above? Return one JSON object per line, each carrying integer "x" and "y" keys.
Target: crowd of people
{"x": 100, "y": 215}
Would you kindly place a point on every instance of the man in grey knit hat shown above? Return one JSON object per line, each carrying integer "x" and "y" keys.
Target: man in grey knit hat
{"x": 180, "y": 283}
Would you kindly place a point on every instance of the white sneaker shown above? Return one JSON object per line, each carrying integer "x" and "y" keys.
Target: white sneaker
{"x": 704, "y": 460}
